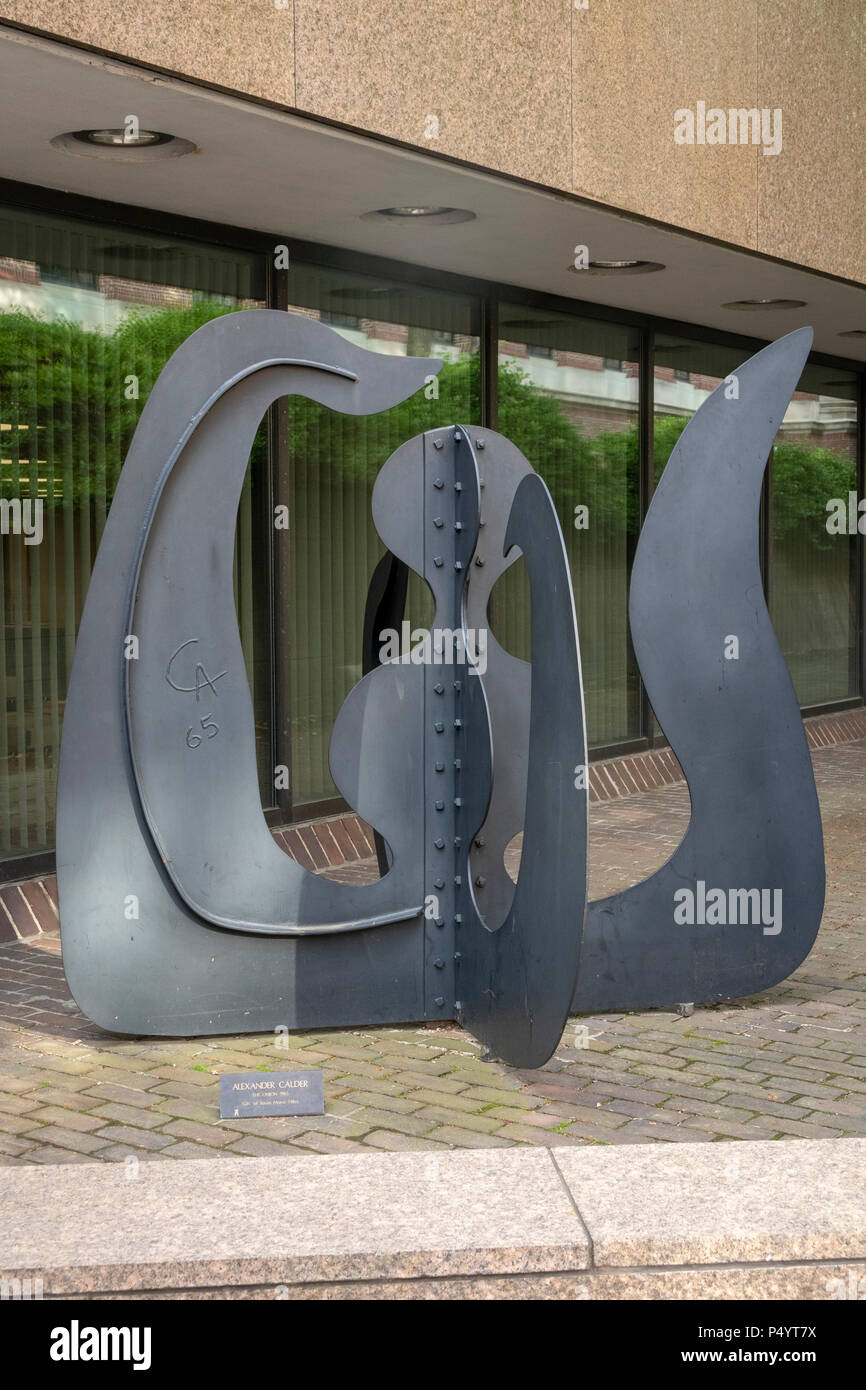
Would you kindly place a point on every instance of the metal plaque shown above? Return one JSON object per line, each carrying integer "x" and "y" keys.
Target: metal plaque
{"x": 244, "y": 1095}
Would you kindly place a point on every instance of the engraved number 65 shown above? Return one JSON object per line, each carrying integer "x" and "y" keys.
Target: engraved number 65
{"x": 193, "y": 740}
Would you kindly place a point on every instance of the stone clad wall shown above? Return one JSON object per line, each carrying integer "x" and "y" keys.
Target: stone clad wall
{"x": 580, "y": 99}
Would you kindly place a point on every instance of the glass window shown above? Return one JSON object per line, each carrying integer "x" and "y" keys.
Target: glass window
{"x": 572, "y": 408}
{"x": 813, "y": 575}
{"x": 332, "y": 464}
{"x": 685, "y": 372}
{"x": 88, "y": 317}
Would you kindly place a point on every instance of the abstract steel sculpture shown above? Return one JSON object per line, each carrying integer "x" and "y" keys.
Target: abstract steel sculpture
{"x": 734, "y": 725}
{"x": 158, "y": 798}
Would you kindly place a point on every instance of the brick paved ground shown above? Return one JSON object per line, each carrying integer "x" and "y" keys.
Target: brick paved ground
{"x": 789, "y": 1062}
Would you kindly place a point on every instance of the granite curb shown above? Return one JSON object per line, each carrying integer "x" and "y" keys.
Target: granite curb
{"x": 770, "y": 1219}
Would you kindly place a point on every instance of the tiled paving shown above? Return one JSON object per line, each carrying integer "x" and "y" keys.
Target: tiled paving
{"x": 790, "y": 1062}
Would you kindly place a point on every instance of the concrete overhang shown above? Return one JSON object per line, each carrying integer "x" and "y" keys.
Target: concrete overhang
{"x": 263, "y": 168}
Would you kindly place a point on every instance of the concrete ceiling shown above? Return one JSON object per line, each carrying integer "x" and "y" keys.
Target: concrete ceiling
{"x": 270, "y": 171}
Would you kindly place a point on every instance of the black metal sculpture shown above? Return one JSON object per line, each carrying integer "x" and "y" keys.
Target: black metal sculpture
{"x": 729, "y": 710}
{"x": 737, "y": 906}
{"x": 179, "y": 912}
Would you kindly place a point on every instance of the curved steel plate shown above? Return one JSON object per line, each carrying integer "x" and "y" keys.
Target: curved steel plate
{"x": 733, "y": 722}
{"x": 136, "y": 957}
{"x": 501, "y": 467}
{"x": 191, "y": 722}
{"x": 516, "y": 983}
{"x": 507, "y": 681}
{"x": 384, "y": 608}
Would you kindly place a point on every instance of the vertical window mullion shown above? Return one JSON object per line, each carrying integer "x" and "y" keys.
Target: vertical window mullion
{"x": 765, "y": 529}
{"x": 646, "y": 408}
{"x": 858, "y": 685}
{"x": 489, "y": 362}
{"x": 279, "y": 466}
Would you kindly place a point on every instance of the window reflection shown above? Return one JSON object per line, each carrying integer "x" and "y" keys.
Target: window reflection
{"x": 331, "y": 465}
{"x": 568, "y": 398}
{"x": 88, "y": 318}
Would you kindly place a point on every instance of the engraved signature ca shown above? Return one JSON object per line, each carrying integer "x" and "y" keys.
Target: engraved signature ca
{"x": 202, "y": 681}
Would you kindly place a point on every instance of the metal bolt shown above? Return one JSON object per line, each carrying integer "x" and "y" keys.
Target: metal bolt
{"x": 458, "y": 918}
{"x": 439, "y": 726}
{"x": 437, "y": 482}
{"x": 439, "y": 1001}
{"x": 439, "y": 883}
{"x": 480, "y": 841}
{"x": 457, "y": 842}
{"x": 457, "y": 955}
{"x": 440, "y": 805}
{"x": 438, "y": 561}
{"x": 438, "y": 522}
{"x": 458, "y": 487}
{"x": 439, "y": 687}
{"x": 478, "y": 560}
{"x": 457, "y": 764}
{"x": 480, "y": 881}
{"x": 458, "y": 564}
{"x": 458, "y": 801}
{"x": 457, "y": 685}
{"x": 440, "y": 843}
{"x": 440, "y": 767}
{"x": 458, "y": 526}
{"x": 439, "y": 963}
{"x": 479, "y": 443}
{"x": 440, "y": 921}
{"x": 437, "y": 443}
{"x": 458, "y": 881}
{"x": 458, "y": 723}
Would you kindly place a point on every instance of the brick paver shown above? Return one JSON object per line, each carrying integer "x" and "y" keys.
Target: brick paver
{"x": 787, "y": 1063}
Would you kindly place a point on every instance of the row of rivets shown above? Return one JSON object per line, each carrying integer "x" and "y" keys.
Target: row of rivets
{"x": 439, "y": 726}
{"x": 438, "y": 688}
{"x": 458, "y": 725}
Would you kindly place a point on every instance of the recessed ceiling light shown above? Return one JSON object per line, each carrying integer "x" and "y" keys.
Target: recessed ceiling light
{"x": 417, "y": 212}
{"x": 853, "y": 333}
{"x": 116, "y": 146}
{"x": 757, "y": 304}
{"x": 617, "y": 268}
{"x": 120, "y": 137}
